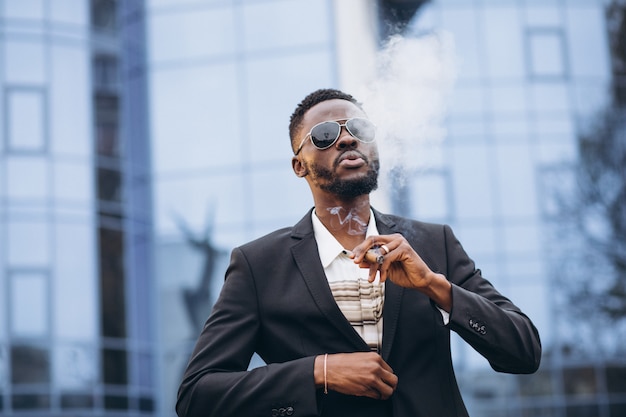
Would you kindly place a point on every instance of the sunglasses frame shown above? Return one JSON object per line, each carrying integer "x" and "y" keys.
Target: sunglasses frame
{"x": 308, "y": 135}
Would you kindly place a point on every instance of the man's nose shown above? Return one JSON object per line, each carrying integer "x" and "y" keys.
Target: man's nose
{"x": 346, "y": 139}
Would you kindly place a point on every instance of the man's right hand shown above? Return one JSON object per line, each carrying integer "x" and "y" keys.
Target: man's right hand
{"x": 363, "y": 374}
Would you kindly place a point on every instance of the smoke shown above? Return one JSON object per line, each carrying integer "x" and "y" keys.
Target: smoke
{"x": 407, "y": 100}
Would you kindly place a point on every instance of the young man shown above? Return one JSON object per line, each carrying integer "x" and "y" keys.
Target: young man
{"x": 351, "y": 309}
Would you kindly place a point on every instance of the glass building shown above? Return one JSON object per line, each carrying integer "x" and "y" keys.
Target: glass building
{"x": 76, "y": 288}
{"x": 141, "y": 141}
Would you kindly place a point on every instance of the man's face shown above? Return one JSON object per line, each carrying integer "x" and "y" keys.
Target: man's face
{"x": 348, "y": 168}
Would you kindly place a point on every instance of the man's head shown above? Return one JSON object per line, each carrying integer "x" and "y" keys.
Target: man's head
{"x": 316, "y": 97}
{"x": 344, "y": 166}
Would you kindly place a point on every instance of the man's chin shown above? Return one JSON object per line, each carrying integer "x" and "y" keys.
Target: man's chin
{"x": 351, "y": 188}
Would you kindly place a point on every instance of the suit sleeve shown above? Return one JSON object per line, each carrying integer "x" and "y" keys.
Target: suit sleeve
{"x": 217, "y": 381}
{"x": 487, "y": 320}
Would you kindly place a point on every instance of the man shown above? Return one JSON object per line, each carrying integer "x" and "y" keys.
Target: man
{"x": 345, "y": 335}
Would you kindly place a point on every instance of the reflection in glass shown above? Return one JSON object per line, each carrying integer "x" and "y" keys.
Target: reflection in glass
{"x": 539, "y": 384}
{"x": 29, "y": 304}
{"x": 616, "y": 380}
{"x": 30, "y": 365}
{"x": 75, "y": 367}
{"x": 585, "y": 410}
{"x": 112, "y": 281}
{"x": 26, "y": 124}
{"x": 109, "y": 185}
{"x": 107, "y": 115}
{"x": 115, "y": 402}
{"x": 580, "y": 381}
{"x": 546, "y": 53}
{"x": 76, "y": 401}
{"x": 31, "y": 401}
{"x": 106, "y": 75}
{"x": 114, "y": 367}
{"x": 104, "y": 14}
{"x": 146, "y": 404}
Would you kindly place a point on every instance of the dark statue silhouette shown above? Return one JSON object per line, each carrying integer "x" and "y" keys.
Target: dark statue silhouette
{"x": 198, "y": 300}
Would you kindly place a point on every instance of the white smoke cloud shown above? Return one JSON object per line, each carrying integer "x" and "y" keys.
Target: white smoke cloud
{"x": 407, "y": 100}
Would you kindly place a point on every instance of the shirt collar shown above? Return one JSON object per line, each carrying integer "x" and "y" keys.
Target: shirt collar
{"x": 329, "y": 247}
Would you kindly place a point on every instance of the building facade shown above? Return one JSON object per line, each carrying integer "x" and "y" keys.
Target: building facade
{"x": 75, "y": 211}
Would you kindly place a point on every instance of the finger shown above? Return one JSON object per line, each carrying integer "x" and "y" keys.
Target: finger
{"x": 372, "y": 273}
{"x": 385, "y": 389}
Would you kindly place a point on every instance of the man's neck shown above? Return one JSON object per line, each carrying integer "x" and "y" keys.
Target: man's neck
{"x": 346, "y": 220}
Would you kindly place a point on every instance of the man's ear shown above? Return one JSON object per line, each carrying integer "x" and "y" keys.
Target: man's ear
{"x": 298, "y": 167}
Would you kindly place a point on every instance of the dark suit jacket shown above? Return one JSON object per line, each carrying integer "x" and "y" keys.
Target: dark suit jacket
{"x": 276, "y": 301}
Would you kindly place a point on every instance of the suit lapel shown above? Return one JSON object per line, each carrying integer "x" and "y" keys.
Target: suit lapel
{"x": 306, "y": 256}
{"x": 393, "y": 293}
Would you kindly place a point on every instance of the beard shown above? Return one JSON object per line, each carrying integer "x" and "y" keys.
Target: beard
{"x": 328, "y": 181}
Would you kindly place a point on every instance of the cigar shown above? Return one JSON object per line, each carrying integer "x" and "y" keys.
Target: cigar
{"x": 374, "y": 256}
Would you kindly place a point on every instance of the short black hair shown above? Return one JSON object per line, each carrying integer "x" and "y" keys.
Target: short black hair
{"x": 316, "y": 97}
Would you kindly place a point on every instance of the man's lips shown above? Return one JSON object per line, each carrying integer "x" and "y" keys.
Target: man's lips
{"x": 351, "y": 159}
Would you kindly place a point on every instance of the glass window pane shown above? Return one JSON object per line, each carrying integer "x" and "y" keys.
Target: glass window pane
{"x": 29, "y": 244}
{"x": 25, "y": 62}
{"x": 471, "y": 180}
{"x": 70, "y": 11}
{"x": 30, "y": 365}
{"x": 539, "y": 384}
{"x": 543, "y": 15}
{"x": 508, "y": 98}
{"x": 112, "y": 283}
{"x": 269, "y": 107}
{"x": 546, "y": 53}
{"x": 115, "y": 402}
{"x": 429, "y": 195}
{"x": 4, "y": 368}
{"x": 104, "y": 15}
{"x": 75, "y": 401}
{"x": 515, "y": 179}
{"x": 462, "y": 23}
{"x": 70, "y": 126}
{"x": 31, "y": 401}
{"x": 29, "y": 304}
{"x": 588, "y": 52}
{"x": 75, "y": 314}
{"x": 26, "y": 120}
{"x": 467, "y": 100}
{"x": 20, "y": 9}
{"x": 549, "y": 97}
{"x": 114, "y": 366}
{"x": 195, "y": 118}
{"x": 503, "y": 40}
{"x": 183, "y": 34}
{"x": 580, "y": 381}
{"x": 27, "y": 177}
{"x": 73, "y": 183}
{"x": 616, "y": 379}
{"x": 585, "y": 410}
{"x": 75, "y": 368}
{"x": 272, "y": 24}
{"x": 192, "y": 198}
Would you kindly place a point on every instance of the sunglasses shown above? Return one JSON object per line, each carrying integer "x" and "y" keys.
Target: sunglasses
{"x": 324, "y": 135}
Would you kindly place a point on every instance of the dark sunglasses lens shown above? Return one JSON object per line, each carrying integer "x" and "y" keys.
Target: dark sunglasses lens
{"x": 362, "y": 129}
{"x": 324, "y": 134}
